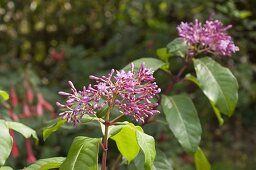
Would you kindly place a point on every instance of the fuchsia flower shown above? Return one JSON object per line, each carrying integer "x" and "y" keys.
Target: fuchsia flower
{"x": 131, "y": 92}
{"x": 15, "y": 149}
{"x": 30, "y": 156}
{"x": 209, "y": 37}
{"x": 43, "y": 104}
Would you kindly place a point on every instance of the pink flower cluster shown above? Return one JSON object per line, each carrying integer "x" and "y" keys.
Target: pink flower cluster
{"x": 131, "y": 92}
{"x": 209, "y": 37}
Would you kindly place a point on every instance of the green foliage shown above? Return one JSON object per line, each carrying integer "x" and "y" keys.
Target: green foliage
{"x": 4, "y": 95}
{"x": 147, "y": 145}
{"x": 183, "y": 120}
{"x": 163, "y": 54}
{"x": 5, "y": 142}
{"x": 52, "y": 128}
{"x": 177, "y": 47}
{"x": 45, "y": 164}
{"x": 161, "y": 162}
{"x": 218, "y": 84}
{"x": 126, "y": 142}
{"x": 26, "y": 131}
{"x": 152, "y": 63}
{"x": 83, "y": 154}
{"x": 201, "y": 161}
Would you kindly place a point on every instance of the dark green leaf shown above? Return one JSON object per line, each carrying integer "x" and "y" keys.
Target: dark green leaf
{"x": 83, "y": 154}
{"x": 5, "y": 142}
{"x": 147, "y": 145}
{"x": 201, "y": 161}
{"x": 52, "y": 128}
{"x": 26, "y": 131}
{"x": 152, "y": 63}
{"x": 178, "y": 47}
{"x": 126, "y": 142}
{"x": 183, "y": 120}
{"x": 45, "y": 164}
{"x": 161, "y": 162}
{"x": 218, "y": 84}
{"x": 86, "y": 118}
{"x": 4, "y": 95}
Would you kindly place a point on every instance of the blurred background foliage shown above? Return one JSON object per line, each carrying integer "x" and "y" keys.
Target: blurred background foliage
{"x": 45, "y": 43}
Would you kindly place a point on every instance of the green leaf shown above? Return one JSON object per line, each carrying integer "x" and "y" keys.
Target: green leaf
{"x": 113, "y": 129}
{"x": 163, "y": 54}
{"x": 201, "y": 161}
{"x": 152, "y": 63}
{"x": 45, "y": 164}
{"x": 5, "y": 142}
{"x": 161, "y": 162}
{"x": 183, "y": 120}
{"x": 86, "y": 118}
{"x": 192, "y": 78}
{"x": 147, "y": 145}
{"x": 52, "y": 128}
{"x": 26, "y": 131}
{"x": 126, "y": 142}
{"x": 83, "y": 154}
{"x": 4, "y": 95}
{"x": 216, "y": 110}
{"x": 6, "y": 168}
{"x": 178, "y": 47}
{"x": 218, "y": 84}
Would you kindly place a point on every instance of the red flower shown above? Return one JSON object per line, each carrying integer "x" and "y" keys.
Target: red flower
{"x": 26, "y": 110}
{"x": 13, "y": 97}
{"x": 42, "y": 104}
{"x": 29, "y": 94}
{"x": 30, "y": 156}
{"x": 57, "y": 55}
{"x": 15, "y": 149}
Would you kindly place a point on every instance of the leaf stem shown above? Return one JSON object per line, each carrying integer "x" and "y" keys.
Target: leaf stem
{"x": 115, "y": 119}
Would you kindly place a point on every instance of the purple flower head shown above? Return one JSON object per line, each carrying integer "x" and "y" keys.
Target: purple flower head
{"x": 209, "y": 37}
{"x": 131, "y": 92}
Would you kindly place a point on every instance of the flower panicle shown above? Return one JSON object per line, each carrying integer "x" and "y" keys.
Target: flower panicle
{"x": 211, "y": 37}
{"x": 131, "y": 92}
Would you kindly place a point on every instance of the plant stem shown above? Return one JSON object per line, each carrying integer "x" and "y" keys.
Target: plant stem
{"x": 105, "y": 143}
{"x": 176, "y": 78}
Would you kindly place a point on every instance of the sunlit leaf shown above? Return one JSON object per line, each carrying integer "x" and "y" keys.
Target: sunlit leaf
{"x": 215, "y": 109}
{"x": 126, "y": 142}
{"x": 218, "y": 84}
{"x": 4, "y": 95}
